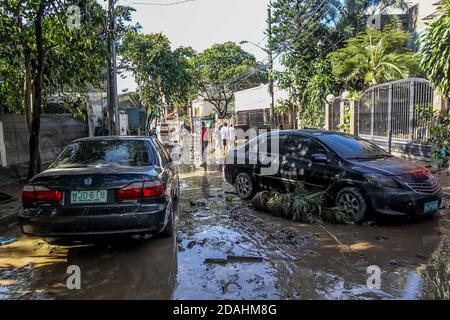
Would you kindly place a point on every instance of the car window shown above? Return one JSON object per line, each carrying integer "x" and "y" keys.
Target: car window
{"x": 301, "y": 147}
{"x": 352, "y": 148}
{"x": 105, "y": 153}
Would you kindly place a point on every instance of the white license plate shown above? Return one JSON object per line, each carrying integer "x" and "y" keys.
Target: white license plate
{"x": 431, "y": 207}
{"x": 85, "y": 197}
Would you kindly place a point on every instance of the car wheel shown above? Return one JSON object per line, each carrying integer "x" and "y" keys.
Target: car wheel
{"x": 170, "y": 226}
{"x": 244, "y": 186}
{"x": 353, "y": 203}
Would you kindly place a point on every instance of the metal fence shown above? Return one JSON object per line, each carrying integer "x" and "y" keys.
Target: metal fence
{"x": 392, "y": 116}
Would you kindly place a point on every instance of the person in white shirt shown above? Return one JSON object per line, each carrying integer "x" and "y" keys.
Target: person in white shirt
{"x": 218, "y": 139}
{"x": 224, "y": 136}
{"x": 231, "y": 136}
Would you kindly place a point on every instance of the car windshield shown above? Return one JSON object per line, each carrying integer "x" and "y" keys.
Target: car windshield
{"x": 104, "y": 153}
{"x": 352, "y": 148}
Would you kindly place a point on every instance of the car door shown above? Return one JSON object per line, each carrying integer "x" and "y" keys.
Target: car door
{"x": 321, "y": 165}
{"x": 265, "y": 157}
{"x": 292, "y": 161}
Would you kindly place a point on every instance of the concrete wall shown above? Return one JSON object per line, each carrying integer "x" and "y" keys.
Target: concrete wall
{"x": 202, "y": 108}
{"x": 56, "y": 132}
{"x": 257, "y": 98}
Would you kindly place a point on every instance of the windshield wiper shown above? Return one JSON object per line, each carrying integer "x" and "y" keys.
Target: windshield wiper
{"x": 370, "y": 158}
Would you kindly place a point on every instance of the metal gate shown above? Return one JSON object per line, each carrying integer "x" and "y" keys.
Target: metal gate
{"x": 392, "y": 116}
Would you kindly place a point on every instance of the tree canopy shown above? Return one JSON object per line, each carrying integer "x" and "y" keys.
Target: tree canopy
{"x": 224, "y": 69}
{"x": 434, "y": 46}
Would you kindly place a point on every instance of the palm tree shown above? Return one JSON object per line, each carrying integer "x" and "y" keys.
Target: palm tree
{"x": 375, "y": 65}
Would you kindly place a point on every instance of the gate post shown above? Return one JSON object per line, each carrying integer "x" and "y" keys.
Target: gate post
{"x": 342, "y": 115}
{"x": 389, "y": 124}
{"x": 327, "y": 126}
{"x": 353, "y": 118}
{"x": 372, "y": 115}
{"x": 439, "y": 103}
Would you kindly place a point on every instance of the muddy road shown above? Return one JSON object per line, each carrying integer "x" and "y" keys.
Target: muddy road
{"x": 223, "y": 249}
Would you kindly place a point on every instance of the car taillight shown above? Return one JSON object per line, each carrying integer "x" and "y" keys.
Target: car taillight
{"x": 41, "y": 194}
{"x": 139, "y": 190}
{"x": 153, "y": 189}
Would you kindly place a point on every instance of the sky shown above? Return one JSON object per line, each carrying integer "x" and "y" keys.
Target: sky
{"x": 202, "y": 23}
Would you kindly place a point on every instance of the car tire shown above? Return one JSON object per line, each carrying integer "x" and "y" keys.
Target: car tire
{"x": 169, "y": 229}
{"x": 245, "y": 187}
{"x": 354, "y": 200}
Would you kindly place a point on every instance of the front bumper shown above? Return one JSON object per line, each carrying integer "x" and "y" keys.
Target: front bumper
{"x": 148, "y": 219}
{"x": 402, "y": 202}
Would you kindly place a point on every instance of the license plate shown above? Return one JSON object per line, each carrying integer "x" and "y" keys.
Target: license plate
{"x": 431, "y": 207}
{"x": 92, "y": 196}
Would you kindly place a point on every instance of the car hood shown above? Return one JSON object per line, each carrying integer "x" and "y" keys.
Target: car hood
{"x": 389, "y": 166}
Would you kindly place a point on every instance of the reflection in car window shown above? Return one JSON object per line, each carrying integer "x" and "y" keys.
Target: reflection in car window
{"x": 352, "y": 148}
{"x": 105, "y": 153}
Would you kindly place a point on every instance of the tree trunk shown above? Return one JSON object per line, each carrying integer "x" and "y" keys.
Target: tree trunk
{"x": 35, "y": 161}
{"x": 28, "y": 99}
{"x": 192, "y": 117}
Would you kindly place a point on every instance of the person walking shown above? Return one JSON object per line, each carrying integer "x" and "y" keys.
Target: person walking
{"x": 204, "y": 143}
{"x": 218, "y": 141}
{"x": 231, "y": 136}
{"x": 224, "y": 137}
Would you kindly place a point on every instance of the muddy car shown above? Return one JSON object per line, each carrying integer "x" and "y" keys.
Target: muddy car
{"x": 103, "y": 186}
{"x": 359, "y": 175}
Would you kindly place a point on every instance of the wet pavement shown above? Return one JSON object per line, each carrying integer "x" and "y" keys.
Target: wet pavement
{"x": 223, "y": 249}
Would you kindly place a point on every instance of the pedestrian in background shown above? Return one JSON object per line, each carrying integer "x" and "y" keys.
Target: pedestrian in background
{"x": 204, "y": 142}
{"x": 218, "y": 140}
{"x": 224, "y": 136}
{"x": 231, "y": 136}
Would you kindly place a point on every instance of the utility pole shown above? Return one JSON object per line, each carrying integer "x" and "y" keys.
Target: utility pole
{"x": 113, "y": 116}
{"x": 274, "y": 122}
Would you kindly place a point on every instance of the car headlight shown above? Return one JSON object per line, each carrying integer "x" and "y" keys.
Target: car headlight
{"x": 381, "y": 181}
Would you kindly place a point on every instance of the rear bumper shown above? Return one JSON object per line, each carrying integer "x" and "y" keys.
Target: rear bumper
{"x": 148, "y": 220}
{"x": 402, "y": 203}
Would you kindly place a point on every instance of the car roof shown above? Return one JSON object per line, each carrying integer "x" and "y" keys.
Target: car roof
{"x": 114, "y": 138}
{"x": 312, "y": 133}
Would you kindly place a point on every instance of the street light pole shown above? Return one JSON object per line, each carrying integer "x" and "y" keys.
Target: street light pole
{"x": 113, "y": 117}
{"x": 274, "y": 122}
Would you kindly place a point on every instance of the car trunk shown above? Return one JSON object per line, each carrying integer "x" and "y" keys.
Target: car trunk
{"x": 98, "y": 179}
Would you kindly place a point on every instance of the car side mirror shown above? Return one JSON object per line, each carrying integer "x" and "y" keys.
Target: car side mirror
{"x": 320, "y": 158}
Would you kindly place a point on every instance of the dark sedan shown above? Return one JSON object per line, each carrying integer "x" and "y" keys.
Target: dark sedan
{"x": 103, "y": 186}
{"x": 359, "y": 175}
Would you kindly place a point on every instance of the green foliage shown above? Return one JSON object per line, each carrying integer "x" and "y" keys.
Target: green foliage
{"x": 373, "y": 57}
{"x": 74, "y": 58}
{"x": 226, "y": 68}
{"x": 308, "y": 85}
{"x": 434, "y": 50}
{"x": 345, "y": 127}
{"x": 440, "y": 139}
{"x": 305, "y": 206}
{"x": 158, "y": 71}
